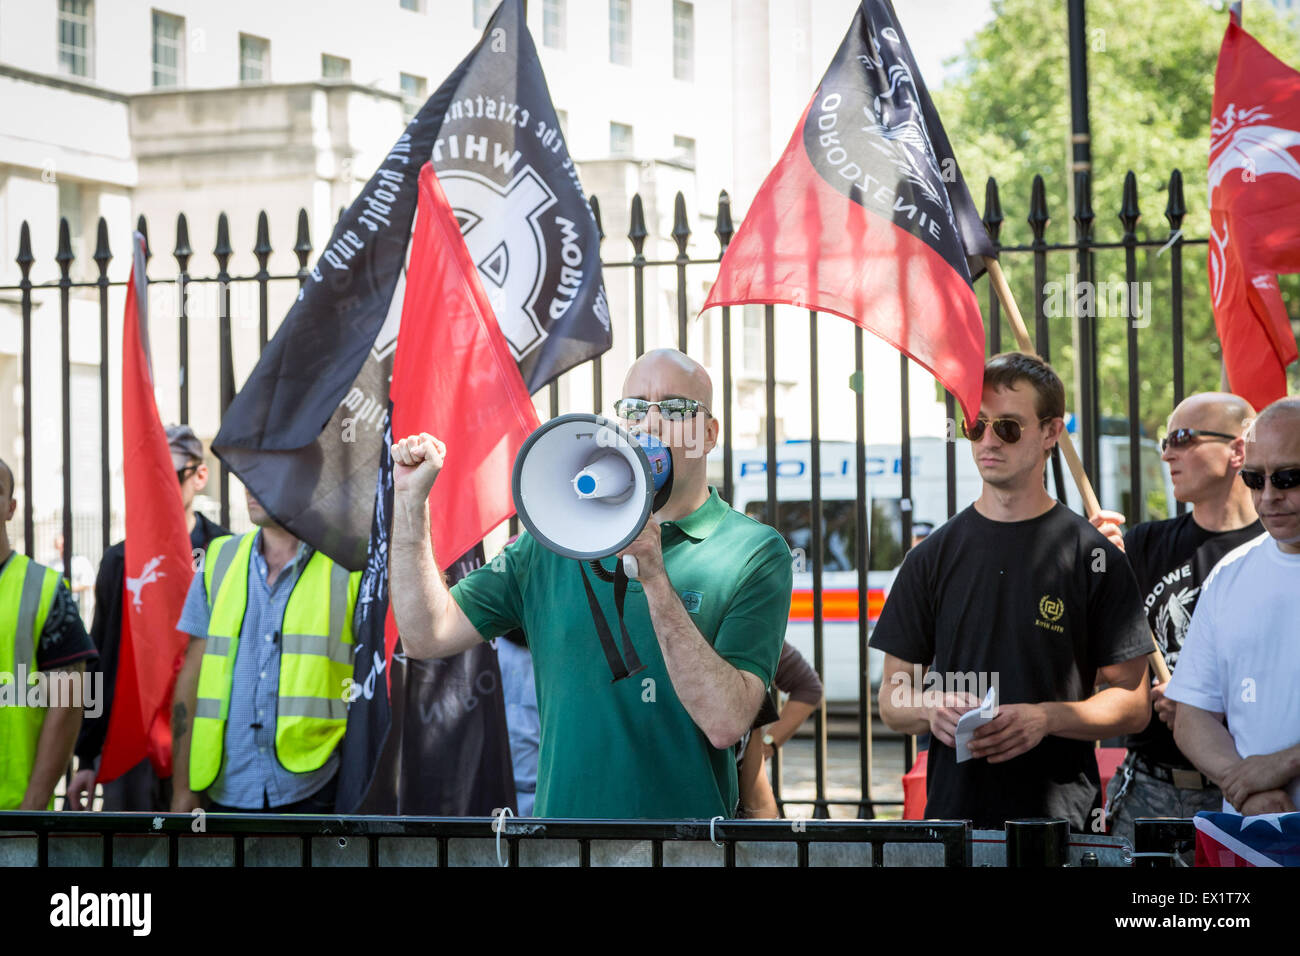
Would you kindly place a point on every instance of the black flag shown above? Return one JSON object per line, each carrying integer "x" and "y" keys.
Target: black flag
{"x": 304, "y": 433}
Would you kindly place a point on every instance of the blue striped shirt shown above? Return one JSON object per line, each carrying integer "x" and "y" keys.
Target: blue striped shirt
{"x": 251, "y": 776}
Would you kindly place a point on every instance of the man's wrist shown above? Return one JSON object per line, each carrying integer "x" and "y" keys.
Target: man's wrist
{"x": 1053, "y": 716}
{"x": 658, "y": 586}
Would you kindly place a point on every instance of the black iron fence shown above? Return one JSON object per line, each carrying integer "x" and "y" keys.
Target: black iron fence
{"x": 1164, "y": 319}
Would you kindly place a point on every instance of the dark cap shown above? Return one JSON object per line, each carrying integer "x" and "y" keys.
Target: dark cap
{"x": 182, "y": 441}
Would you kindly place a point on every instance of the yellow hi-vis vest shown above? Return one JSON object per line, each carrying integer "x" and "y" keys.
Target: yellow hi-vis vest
{"x": 26, "y": 595}
{"x": 315, "y": 660}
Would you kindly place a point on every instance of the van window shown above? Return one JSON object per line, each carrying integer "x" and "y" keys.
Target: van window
{"x": 839, "y": 532}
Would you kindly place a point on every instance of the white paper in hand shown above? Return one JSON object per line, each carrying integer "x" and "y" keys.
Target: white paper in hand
{"x": 972, "y": 721}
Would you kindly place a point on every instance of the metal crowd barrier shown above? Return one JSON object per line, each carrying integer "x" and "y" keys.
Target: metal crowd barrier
{"x": 247, "y": 840}
{"x": 237, "y": 840}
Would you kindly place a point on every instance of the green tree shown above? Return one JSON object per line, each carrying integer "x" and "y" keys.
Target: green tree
{"x": 1151, "y": 79}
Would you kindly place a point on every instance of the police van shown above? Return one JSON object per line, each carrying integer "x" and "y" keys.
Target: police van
{"x": 884, "y": 508}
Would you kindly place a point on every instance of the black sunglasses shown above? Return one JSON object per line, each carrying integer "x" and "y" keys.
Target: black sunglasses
{"x": 1182, "y": 437}
{"x": 183, "y": 473}
{"x": 672, "y": 409}
{"x": 1007, "y": 429}
{"x": 1282, "y": 480}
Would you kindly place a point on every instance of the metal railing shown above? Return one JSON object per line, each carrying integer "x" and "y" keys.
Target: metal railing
{"x": 1079, "y": 254}
{"x": 238, "y": 840}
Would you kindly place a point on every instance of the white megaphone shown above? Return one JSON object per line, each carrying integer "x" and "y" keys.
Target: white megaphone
{"x": 584, "y": 487}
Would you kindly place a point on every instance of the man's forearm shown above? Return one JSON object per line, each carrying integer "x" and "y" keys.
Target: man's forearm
{"x": 1205, "y": 741}
{"x": 1112, "y": 712}
{"x": 417, "y": 590}
{"x": 716, "y": 695}
{"x": 53, "y": 751}
{"x": 793, "y": 715}
{"x": 184, "y": 702}
{"x": 901, "y": 707}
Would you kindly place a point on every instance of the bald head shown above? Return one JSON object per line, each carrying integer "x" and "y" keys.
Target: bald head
{"x": 1212, "y": 411}
{"x": 1276, "y": 448}
{"x": 677, "y": 373}
{"x": 1284, "y": 414}
{"x": 6, "y": 480}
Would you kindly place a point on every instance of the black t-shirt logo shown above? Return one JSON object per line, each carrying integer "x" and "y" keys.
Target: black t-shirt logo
{"x": 1051, "y": 608}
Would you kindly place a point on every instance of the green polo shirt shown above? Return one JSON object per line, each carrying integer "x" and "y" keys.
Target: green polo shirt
{"x": 629, "y": 749}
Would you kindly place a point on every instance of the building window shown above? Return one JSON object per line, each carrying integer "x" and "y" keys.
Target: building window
{"x": 553, "y": 24}
{"x": 254, "y": 59}
{"x": 415, "y": 90}
{"x": 620, "y": 32}
{"x": 335, "y": 67}
{"x": 77, "y": 37}
{"x": 683, "y": 40}
{"x": 483, "y": 12}
{"x": 620, "y": 139}
{"x": 684, "y": 150}
{"x": 168, "y": 50}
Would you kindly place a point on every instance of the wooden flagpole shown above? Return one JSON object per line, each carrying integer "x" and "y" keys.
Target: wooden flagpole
{"x": 1090, "y": 503}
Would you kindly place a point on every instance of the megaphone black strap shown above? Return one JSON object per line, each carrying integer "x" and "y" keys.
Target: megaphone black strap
{"x": 620, "y": 595}
{"x": 607, "y": 644}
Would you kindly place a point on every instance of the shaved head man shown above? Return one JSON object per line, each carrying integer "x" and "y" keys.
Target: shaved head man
{"x": 1238, "y": 710}
{"x": 1204, "y": 448}
{"x": 669, "y": 374}
{"x": 706, "y": 616}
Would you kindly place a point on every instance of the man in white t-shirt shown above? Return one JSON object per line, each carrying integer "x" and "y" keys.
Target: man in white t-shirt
{"x": 1238, "y": 679}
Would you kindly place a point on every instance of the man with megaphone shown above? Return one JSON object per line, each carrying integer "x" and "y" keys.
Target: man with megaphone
{"x": 704, "y": 618}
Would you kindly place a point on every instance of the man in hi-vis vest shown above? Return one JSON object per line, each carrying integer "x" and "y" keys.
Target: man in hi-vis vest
{"x": 43, "y": 650}
{"x": 259, "y": 709}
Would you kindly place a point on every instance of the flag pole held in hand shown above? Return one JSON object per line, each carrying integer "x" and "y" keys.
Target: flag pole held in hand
{"x": 1090, "y": 503}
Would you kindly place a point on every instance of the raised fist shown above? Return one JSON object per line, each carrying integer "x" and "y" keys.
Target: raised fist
{"x": 417, "y": 460}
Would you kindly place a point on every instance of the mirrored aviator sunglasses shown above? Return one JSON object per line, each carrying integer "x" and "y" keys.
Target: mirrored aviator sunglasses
{"x": 671, "y": 409}
{"x": 1282, "y": 480}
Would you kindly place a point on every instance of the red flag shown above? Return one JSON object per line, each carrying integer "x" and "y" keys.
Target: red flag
{"x": 866, "y": 214}
{"x": 1254, "y": 180}
{"x": 454, "y": 377}
{"x": 159, "y": 565}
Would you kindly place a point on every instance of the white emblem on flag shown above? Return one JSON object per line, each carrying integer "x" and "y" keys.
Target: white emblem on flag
{"x": 149, "y": 575}
{"x": 502, "y": 231}
{"x": 1250, "y": 146}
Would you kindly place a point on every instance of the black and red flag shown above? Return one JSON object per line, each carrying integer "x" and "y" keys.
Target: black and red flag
{"x": 1254, "y": 180}
{"x": 307, "y": 432}
{"x": 866, "y": 214}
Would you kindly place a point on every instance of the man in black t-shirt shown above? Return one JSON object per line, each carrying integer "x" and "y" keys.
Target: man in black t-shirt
{"x": 1204, "y": 450}
{"x": 139, "y": 788}
{"x": 1019, "y": 593}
